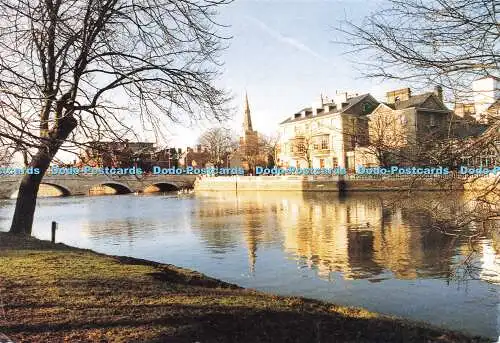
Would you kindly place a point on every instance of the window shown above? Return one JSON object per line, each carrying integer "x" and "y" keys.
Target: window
{"x": 335, "y": 162}
{"x": 324, "y": 142}
{"x": 432, "y": 120}
{"x": 301, "y": 148}
{"x": 367, "y": 107}
{"x": 403, "y": 120}
{"x": 316, "y": 143}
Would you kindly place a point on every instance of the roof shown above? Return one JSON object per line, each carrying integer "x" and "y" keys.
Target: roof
{"x": 413, "y": 101}
{"x": 350, "y": 103}
{"x": 416, "y": 101}
{"x": 489, "y": 77}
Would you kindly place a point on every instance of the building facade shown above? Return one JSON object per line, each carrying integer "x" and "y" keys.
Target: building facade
{"x": 125, "y": 154}
{"x": 116, "y": 153}
{"x": 482, "y": 105}
{"x": 403, "y": 128}
{"x": 199, "y": 157}
{"x": 322, "y": 135}
{"x": 486, "y": 92}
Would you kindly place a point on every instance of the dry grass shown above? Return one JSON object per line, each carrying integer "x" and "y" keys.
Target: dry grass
{"x": 55, "y": 293}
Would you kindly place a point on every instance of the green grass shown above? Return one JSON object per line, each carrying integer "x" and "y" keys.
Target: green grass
{"x": 55, "y": 293}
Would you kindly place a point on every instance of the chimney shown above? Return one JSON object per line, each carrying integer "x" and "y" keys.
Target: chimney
{"x": 438, "y": 91}
{"x": 398, "y": 95}
{"x": 198, "y": 148}
{"x": 340, "y": 97}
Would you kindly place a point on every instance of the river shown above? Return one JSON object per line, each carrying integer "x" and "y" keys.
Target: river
{"x": 367, "y": 250}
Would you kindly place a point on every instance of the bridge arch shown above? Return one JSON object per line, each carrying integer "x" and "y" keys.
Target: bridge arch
{"x": 64, "y": 190}
{"x": 47, "y": 190}
{"x": 162, "y": 186}
{"x": 109, "y": 188}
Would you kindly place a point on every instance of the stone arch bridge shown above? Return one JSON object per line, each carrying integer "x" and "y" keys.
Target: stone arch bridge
{"x": 82, "y": 184}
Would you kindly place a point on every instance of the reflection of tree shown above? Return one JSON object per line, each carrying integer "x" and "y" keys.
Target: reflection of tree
{"x": 222, "y": 237}
{"x": 214, "y": 231}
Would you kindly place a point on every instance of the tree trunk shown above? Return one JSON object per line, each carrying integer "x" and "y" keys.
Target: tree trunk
{"x": 24, "y": 212}
{"x": 26, "y": 198}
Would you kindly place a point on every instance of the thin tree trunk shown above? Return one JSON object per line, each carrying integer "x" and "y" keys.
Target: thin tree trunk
{"x": 22, "y": 221}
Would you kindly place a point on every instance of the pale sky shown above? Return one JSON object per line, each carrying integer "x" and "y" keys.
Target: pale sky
{"x": 283, "y": 54}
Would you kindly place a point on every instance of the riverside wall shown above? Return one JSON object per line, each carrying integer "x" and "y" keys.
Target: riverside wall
{"x": 326, "y": 183}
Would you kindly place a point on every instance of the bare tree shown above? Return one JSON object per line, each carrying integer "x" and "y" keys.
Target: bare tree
{"x": 449, "y": 43}
{"x": 303, "y": 148}
{"x": 386, "y": 138}
{"x": 5, "y": 158}
{"x": 446, "y": 42}
{"x": 268, "y": 145}
{"x": 220, "y": 143}
{"x": 70, "y": 70}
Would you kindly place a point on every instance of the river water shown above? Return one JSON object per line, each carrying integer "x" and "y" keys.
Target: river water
{"x": 368, "y": 250}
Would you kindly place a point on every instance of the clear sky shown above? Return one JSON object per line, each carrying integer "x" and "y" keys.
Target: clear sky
{"x": 283, "y": 54}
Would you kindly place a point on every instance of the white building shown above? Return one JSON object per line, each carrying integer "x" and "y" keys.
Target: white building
{"x": 485, "y": 92}
{"x": 320, "y": 136}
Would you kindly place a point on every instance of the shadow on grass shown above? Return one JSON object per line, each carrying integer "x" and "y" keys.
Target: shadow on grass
{"x": 97, "y": 298}
{"x": 218, "y": 324}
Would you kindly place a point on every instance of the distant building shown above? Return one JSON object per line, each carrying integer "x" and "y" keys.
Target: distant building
{"x": 249, "y": 142}
{"x": 486, "y": 92}
{"x": 322, "y": 136}
{"x": 115, "y": 154}
{"x": 250, "y": 152}
{"x": 195, "y": 158}
{"x": 482, "y": 149}
{"x": 167, "y": 157}
{"x": 144, "y": 155}
{"x": 483, "y": 104}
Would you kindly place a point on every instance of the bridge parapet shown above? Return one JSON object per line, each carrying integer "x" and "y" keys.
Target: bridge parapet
{"x": 81, "y": 184}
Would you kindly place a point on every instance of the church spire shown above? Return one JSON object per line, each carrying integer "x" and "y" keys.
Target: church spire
{"x": 247, "y": 120}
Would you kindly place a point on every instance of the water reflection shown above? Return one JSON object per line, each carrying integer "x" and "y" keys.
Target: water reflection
{"x": 375, "y": 250}
{"x": 362, "y": 236}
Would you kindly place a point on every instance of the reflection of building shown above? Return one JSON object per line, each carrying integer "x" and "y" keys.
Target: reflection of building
{"x": 361, "y": 236}
{"x": 490, "y": 264}
{"x": 322, "y": 135}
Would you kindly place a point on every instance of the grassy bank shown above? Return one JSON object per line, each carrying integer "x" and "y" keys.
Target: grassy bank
{"x": 55, "y": 293}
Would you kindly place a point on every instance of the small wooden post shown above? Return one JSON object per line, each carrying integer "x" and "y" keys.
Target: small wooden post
{"x": 54, "y": 228}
